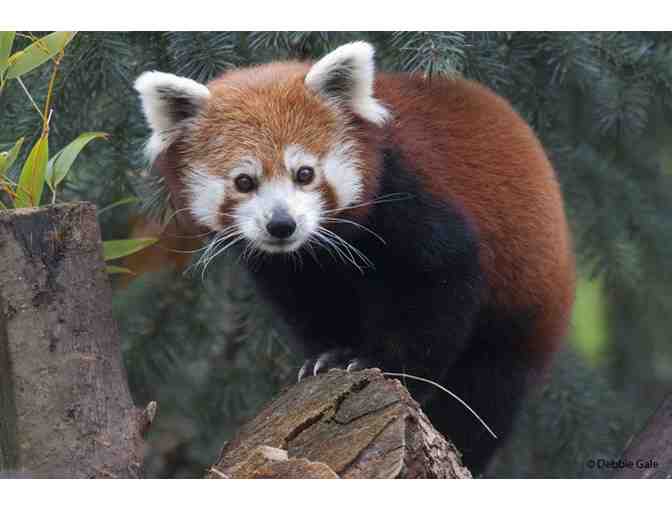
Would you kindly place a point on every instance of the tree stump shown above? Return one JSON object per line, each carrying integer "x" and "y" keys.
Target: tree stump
{"x": 340, "y": 425}
{"x": 65, "y": 406}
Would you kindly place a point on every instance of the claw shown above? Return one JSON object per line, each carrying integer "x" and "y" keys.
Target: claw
{"x": 303, "y": 371}
{"x": 353, "y": 364}
{"x": 327, "y": 361}
{"x": 321, "y": 362}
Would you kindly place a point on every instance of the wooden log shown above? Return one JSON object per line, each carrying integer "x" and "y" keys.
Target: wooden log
{"x": 65, "y": 406}
{"x": 340, "y": 424}
{"x": 649, "y": 454}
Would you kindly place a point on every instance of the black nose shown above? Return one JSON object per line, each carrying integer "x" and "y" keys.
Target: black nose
{"x": 282, "y": 225}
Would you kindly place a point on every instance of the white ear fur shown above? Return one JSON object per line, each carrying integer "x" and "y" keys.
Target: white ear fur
{"x": 346, "y": 75}
{"x": 166, "y": 100}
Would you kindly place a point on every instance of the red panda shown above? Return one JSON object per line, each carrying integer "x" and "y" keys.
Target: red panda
{"x": 410, "y": 224}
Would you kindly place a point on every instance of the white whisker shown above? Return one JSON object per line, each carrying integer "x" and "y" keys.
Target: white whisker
{"x": 428, "y": 381}
{"x": 355, "y": 224}
{"x": 236, "y": 239}
{"x": 175, "y": 213}
{"x": 329, "y": 243}
{"x": 349, "y": 247}
{"x": 229, "y": 235}
{"x": 186, "y": 252}
{"x": 383, "y": 199}
{"x": 348, "y": 251}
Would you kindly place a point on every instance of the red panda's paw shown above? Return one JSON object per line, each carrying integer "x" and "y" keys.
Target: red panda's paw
{"x": 344, "y": 359}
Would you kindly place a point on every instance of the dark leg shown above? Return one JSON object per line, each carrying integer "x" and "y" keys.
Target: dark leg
{"x": 492, "y": 377}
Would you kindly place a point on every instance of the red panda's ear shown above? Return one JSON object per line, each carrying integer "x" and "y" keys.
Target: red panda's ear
{"x": 167, "y": 100}
{"x": 346, "y": 76}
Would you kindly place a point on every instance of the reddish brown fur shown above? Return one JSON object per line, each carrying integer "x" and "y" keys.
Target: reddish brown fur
{"x": 467, "y": 148}
{"x": 262, "y": 110}
{"x": 465, "y": 143}
{"x": 470, "y": 147}
{"x": 259, "y": 111}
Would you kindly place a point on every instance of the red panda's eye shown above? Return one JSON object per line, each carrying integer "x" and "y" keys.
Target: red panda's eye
{"x": 305, "y": 175}
{"x": 244, "y": 183}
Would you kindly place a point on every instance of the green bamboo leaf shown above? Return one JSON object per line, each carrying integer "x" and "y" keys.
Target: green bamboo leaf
{"x": 37, "y": 53}
{"x": 50, "y": 169}
{"x": 123, "y": 201}
{"x": 117, "y": 270}
{"x": 122, "y": 247}
{"x": 60, "y": 164}
{"x": 31, "y": 180}
{"x": 8, "y": 158}
{"x": 6, "y": 41}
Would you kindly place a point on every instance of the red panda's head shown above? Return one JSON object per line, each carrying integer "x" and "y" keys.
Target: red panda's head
{"x": 268, "y": 153}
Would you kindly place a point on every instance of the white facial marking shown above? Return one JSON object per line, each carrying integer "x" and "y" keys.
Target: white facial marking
{"x": 207, "y": 192}
{"x": 205, "y": 195}
{"x": 158, "y": 93}
{"x": 304, "y": 207}
{"x": 248, "y": 166}
{"x": 296, "y": 156}
{"x": 353, "y": 66}
{"x": 342, "y": 172}
{"x": 156, "y": 144}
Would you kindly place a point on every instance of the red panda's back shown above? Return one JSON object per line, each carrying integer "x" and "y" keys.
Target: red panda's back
{"x": 469, "y": 146}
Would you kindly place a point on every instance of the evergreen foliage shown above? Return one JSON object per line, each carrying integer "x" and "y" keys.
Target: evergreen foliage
{"x": 211, "y": 352}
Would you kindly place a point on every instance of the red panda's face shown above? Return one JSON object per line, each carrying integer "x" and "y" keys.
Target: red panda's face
{"x": 265, "y": 153}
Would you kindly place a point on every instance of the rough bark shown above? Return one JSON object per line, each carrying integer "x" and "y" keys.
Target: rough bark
{"x": 649, "y": 454}
{"x": 65, "y": 407}
{"x": 347, "y": 425}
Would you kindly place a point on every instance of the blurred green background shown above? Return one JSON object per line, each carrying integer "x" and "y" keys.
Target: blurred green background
{"x": 212, "y": 353}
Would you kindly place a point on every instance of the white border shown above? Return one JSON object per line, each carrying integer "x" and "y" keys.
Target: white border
{"x": 324, "y": 495}
{"x": 341, "y": 15}
{"x": 331, "y": 494}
